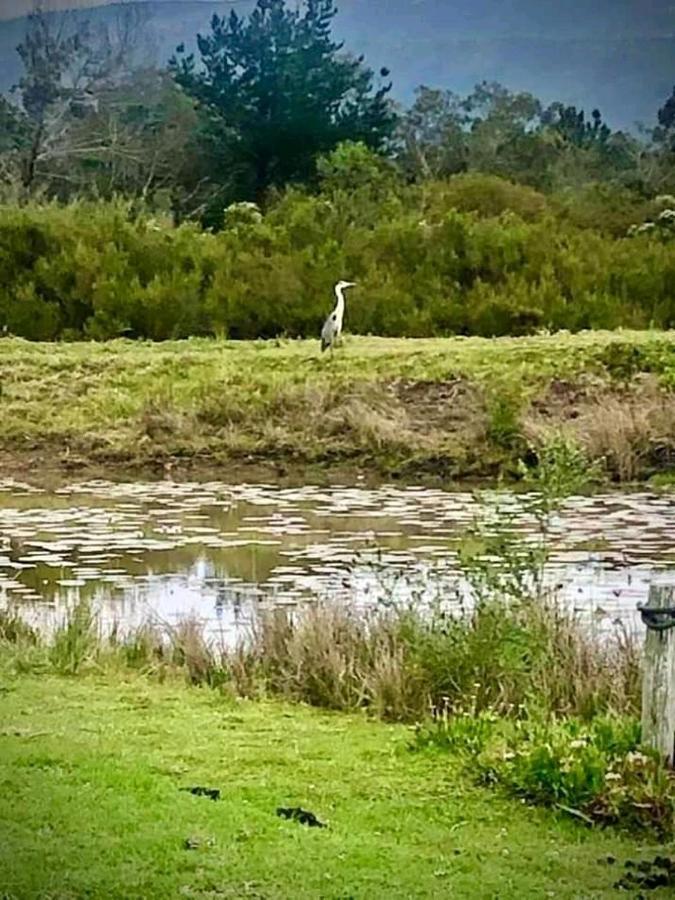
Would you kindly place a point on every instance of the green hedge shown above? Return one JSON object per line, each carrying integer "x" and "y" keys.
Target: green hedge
{"x": 472, "y": 256}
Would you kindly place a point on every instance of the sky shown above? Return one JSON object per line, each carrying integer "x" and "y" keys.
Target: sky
{"x": 507, "y": 17}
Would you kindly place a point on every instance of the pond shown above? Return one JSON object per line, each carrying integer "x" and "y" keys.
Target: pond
{"x": 162, "y": 550}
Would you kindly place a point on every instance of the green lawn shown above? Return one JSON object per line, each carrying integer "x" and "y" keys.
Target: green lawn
{"x": 458, "y": 407}
{"x": 90, "y": 805}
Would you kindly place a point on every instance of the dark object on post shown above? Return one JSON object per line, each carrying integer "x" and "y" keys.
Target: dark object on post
{"x": 658, "y": 683}
{"x": 658, "y": 619}
{"x": 300, "y": 815}
{"x": 211, "y": 793}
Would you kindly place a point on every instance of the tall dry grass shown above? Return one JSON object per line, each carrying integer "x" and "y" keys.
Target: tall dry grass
{"x": 630, "y": 430}
{"x": 402, "y": 665}
{"x": 398, "y": 664}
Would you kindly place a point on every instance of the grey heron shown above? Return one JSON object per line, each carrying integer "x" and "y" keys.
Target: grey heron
{"x": 332, "y": 327}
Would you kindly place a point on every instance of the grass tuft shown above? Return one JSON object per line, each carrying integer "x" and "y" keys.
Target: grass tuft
{"x": 75, "y": 641}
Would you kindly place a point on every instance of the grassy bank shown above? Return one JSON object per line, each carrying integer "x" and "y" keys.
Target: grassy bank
{"x": 91, "y": 769}
{"x": 453, "y": 408}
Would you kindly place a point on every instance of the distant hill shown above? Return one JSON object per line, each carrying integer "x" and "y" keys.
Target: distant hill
{"x": 613, "y": 54}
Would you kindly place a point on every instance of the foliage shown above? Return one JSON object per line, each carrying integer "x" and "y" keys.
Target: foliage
{"x": 609, "y": 209}
{"x": 423, "y": 268}
{"x": 67, "y": 67}
{"x": 562, "y": 468}
{"x": 74, "y": 641}
{"x": 265, "y": 98}
{"x": 486, "y": 196}
{"x": 354, "y": 168}
{"x": 500, "y": 132}
{"x": 13, "y": 128}
{"x": 511, "y": 650}
{"x": 596, "y": 771}
{"x": 590, "y": 767}
{"x": 574, "y": 127}
{"x": 276, "y": 92}
{"x": 623, "y": 361}
{"x": 136, "y": 143}
{"x": 432, "y": 140}
{"x": 662, "y": 225}
{"x": 666, "y": 114}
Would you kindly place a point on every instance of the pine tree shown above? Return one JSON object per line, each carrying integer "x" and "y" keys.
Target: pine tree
{"x": 276, "y": 91}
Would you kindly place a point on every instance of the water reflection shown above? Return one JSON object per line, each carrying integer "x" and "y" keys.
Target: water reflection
{"x": 166, "y": 550}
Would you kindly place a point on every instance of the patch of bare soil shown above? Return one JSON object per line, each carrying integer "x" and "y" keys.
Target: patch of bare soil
{"x": 563, "y": 400}
{"x": 449, "y": 406}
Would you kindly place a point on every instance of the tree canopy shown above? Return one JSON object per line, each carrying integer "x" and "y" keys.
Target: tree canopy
{"x": 262, "y": 101}
{"x": 276, "y": 91}
{"x": 501, "y": 132}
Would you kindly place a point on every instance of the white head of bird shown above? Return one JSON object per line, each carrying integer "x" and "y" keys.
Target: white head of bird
{"x": 332, "y": 327}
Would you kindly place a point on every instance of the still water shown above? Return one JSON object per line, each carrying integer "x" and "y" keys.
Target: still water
{"x": 161, "y": 551}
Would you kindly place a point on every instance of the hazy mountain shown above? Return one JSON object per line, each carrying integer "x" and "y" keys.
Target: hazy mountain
{"x": 618, "y": 55}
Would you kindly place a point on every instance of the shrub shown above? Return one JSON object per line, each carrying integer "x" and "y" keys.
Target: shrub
{"x": 607, "y": 208}
{"x": 596, "y": 771}
{"x": 473, "y": 255}
{"x": 487, "y": 195}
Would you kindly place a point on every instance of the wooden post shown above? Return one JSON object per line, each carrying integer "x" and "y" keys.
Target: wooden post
{"x": 658, "y": 684}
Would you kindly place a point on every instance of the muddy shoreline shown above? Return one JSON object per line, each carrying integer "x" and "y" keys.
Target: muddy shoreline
{"x": 50, "y": 468}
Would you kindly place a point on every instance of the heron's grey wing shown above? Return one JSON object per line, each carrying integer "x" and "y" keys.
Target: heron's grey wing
{"x": 327, "y": 332}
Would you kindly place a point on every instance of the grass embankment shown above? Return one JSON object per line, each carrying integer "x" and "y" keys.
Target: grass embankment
{"x": 454, "y": 408}
{"x": 91, "y": 769}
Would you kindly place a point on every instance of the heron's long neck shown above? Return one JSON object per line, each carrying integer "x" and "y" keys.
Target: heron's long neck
{"x": 340, "y": 307}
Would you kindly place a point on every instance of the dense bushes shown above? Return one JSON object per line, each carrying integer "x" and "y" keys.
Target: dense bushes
{"x": 473, "y": 255}
{"x": 596, "y": 770}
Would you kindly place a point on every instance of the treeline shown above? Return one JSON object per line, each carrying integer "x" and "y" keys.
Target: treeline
{"x": 262, "y": 99}
{"x": 470, "y": 255}
{"x": 227, "y": 193}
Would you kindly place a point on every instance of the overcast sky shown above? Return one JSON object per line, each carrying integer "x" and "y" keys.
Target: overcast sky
{"x": 489, "y": 16}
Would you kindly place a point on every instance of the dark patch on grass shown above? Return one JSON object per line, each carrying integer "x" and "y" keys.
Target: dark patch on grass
{"x": 302, "y": 816}
{"x": 211, "y": 793}
{"x": 647, "y": 875}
